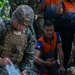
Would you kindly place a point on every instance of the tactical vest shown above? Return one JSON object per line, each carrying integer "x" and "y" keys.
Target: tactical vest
{"x": 14, "y": 45}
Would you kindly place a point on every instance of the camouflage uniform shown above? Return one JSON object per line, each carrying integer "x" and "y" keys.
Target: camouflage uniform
{"x": 39, "y": 25}
{"x": 17, "y": 2}
{"x": 20, "y": 49}
{"x": 31, "y": 3}
{"x": 39, "y": 22}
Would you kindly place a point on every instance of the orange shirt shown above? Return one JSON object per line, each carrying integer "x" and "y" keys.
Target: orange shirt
{"x": 69, "y": 11}
{"x": 68, "y": 6}
{"x": 49, "y": 46}
{"x": 52, "y": 1}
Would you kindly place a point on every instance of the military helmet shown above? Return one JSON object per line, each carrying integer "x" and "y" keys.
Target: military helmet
{"x": 22, "y": 12}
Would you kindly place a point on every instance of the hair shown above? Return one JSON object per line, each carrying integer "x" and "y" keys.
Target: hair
{"x": 48, "y": 23}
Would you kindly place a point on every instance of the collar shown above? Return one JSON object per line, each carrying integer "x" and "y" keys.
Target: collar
{"x": 17, "y": 32}
{"x": 45, "y": 39}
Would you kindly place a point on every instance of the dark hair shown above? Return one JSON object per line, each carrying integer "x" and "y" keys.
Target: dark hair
{"x": 48, "y": 23}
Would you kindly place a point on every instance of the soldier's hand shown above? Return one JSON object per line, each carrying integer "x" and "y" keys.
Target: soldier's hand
{"x": 23, "y": 73}
{"x": 5, "y": 61}
{"x": 36, "y": 16}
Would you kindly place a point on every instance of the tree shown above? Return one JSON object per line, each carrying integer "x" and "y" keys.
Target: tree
{"x": 4, "y": 9}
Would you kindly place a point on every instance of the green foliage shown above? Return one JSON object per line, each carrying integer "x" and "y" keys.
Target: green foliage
{"x": 1, "y": 3}
{"x": 4, "y": 9}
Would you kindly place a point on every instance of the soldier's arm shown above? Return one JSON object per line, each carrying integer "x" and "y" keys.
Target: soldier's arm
{"x": 3, "y": 30}
{"x": 27, "y": 62}
{"x": 30, "y": 44}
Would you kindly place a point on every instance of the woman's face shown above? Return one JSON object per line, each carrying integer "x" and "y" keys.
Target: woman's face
{"x": 20, "y": 27}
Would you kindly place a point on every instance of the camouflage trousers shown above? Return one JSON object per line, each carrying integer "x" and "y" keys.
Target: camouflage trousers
{"x": 3, "y": 71}
{"x": 29, "y": 69}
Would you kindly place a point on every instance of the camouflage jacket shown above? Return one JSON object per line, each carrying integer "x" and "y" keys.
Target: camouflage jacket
{"x": 32, "y": 3}
{"x": 27, "y": 62}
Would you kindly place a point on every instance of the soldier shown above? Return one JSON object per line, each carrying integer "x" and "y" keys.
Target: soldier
{"x": 15, "y": 3}
{"x": 17, "y": 42}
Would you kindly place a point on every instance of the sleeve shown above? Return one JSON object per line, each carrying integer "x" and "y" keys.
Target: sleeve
{"x": 3, "y": 30}
{"x": 28, "y": 59}
{"x": 39, "y": 45}
{"x": 58, "y": 38}
{"x": 2, "y": 34}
